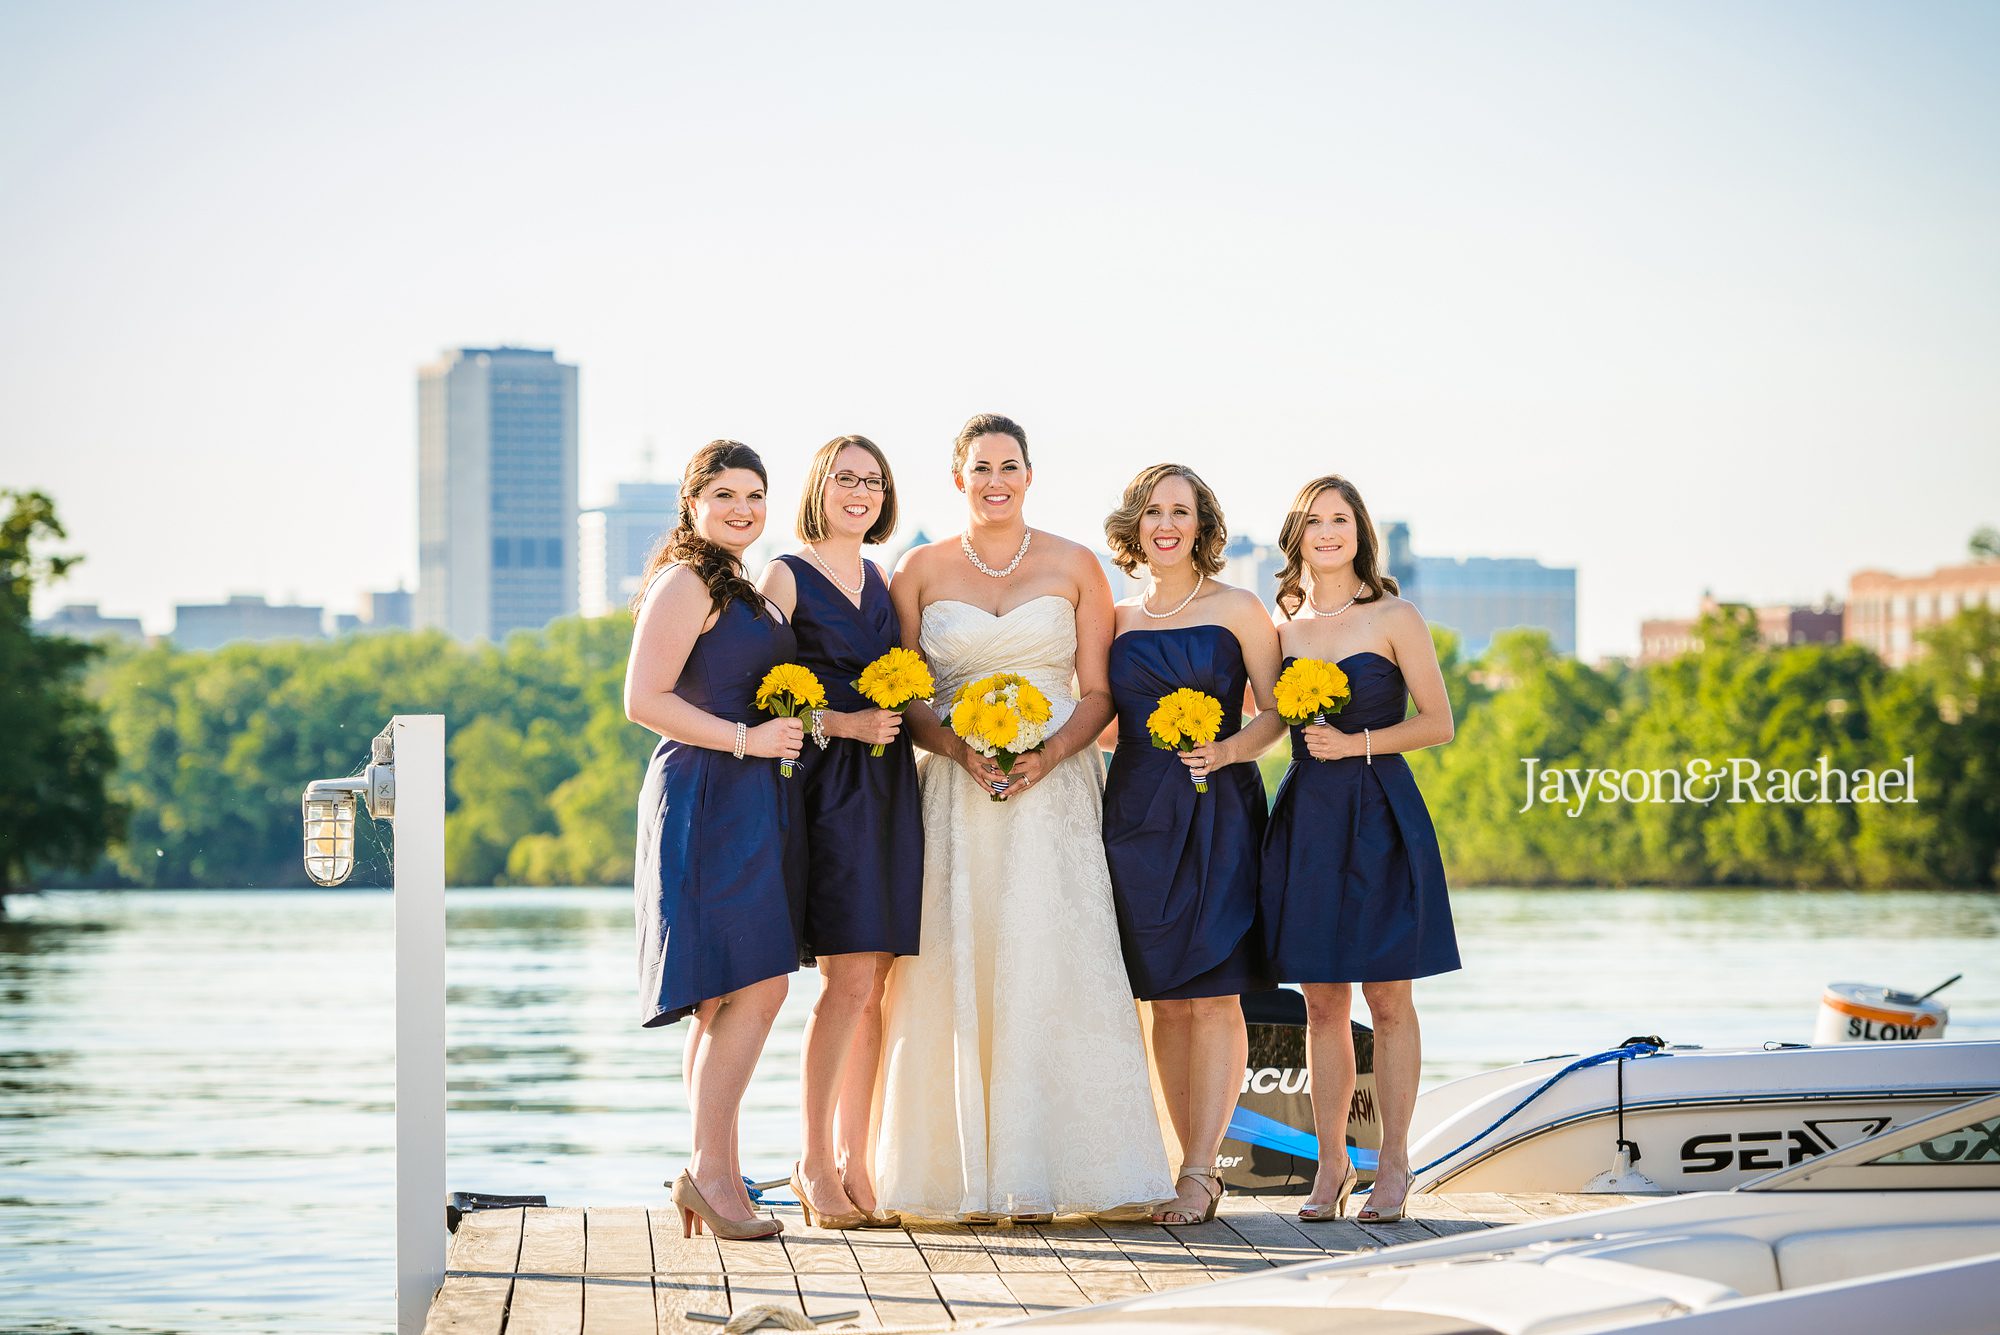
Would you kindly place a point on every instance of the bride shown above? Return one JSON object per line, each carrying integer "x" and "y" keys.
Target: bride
{"x": 1014, "y": 1081}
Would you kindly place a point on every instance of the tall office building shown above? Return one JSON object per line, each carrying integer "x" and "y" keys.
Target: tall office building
{"x": 1478, "y": 596}
{"x": 496, "y": 492}
{"x": 613, "y": 542}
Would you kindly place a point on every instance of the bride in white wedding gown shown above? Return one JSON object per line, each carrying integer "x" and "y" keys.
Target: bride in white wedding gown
{"x": 1014, "y": 1079}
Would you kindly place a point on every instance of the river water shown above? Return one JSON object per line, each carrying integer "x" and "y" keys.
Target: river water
{"x": 197, "y": 1089}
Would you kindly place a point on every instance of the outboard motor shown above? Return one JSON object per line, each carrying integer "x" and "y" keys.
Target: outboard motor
{"x": 1270, "y": 1148}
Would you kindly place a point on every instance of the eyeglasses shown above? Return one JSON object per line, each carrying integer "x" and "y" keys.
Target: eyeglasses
{"x": 875, "y": 482}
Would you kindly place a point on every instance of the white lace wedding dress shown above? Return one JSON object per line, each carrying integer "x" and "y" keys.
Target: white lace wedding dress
{"x": 1014, "y": 1078}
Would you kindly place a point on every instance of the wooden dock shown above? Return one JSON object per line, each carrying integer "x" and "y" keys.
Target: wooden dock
{"x": 628, "y": 1271}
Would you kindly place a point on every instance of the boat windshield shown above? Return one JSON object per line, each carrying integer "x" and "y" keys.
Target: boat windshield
{"x": 1978, "y": 1143}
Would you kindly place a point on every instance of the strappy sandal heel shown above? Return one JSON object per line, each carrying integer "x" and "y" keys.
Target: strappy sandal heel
{"x": 1211, "y": 1185}
{"x": 1320, "y": 1214}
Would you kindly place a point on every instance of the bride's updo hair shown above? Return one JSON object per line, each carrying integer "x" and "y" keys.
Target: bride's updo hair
{"x": 987, "y": 424}
{"x": 685, "y": 545}
{"x": 1292, "y": 539}
{"x": 1121, "y": 526}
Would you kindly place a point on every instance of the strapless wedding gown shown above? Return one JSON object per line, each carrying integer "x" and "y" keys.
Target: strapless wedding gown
{"x": 1014, "y": 1078}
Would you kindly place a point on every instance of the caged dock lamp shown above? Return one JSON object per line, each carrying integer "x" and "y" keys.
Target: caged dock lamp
{"x": 328, "y": 810}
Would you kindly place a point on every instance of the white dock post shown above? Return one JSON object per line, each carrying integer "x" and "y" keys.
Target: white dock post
{"x": 420, "y": 1041}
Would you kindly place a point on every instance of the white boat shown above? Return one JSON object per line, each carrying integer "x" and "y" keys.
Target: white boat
{"x": 1687, "y": 1119}
{"x": 1900, "y": 1232}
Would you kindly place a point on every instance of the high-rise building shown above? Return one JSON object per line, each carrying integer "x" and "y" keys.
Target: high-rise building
{"x": 613, "y": 542}
{"x": 1478, "y": 596}
{"x": 496, "y": 491}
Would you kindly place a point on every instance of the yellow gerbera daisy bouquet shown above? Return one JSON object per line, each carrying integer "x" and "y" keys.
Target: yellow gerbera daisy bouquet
{"x": 893, "y": 680}
{"x": 1184, "y": 720}
{"x": 1002, "y": 717}
{"x": 789, "y": 691}
{"x": 1309, "y": 690}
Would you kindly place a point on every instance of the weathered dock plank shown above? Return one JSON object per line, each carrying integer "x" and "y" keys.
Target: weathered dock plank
{"x": 1020, "y": 1247}
{"x": 828, "y": 1293}
{"x": 674, "y": 1296}
{"x": 548, "y": 1286}
{"x": 618, "y": 1269}
{"x": 1083, "y": 1248}
{"x": 479, "y": 1275}
{"x": 1043, "y": 1291}
{"x": 629, "y": 1271}
{"x": 976, "y": 1297}
{"x": 950, "y": 1248}
{"x": 674, "y": 1254}
{"x": 906, "y": 1299}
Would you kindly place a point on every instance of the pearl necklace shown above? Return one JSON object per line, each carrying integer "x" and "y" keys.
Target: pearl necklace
{"x": 854, "y": 592}
{"x": 1336, "y": 611}
{"x": 965, "y": 545}
{"x": 1200, "y": 578}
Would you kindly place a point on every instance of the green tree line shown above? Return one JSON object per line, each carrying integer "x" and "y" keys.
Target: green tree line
{"x": 213, "y": 749}
{"x": 156, "y": 767}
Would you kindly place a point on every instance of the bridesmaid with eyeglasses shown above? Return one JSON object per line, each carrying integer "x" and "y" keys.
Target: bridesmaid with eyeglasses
{"x": 864, "y": 827}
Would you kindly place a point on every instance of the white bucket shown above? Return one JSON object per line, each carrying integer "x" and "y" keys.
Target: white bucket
{"x": 1865, "y": 1013}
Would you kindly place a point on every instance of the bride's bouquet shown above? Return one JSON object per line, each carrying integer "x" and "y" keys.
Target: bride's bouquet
{"x": 1309, "y": 690}
{"x": 892, "y": 681}
{"x": 1002, "y": 717}
{"x": 1186, "y": 719}
{"x": 789, "y": 691}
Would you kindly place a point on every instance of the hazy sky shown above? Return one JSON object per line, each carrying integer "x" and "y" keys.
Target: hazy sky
{"x": 1688, "y": 296}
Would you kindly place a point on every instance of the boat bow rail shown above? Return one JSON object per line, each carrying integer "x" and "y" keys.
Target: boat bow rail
{"x": 1707, "y": 1119}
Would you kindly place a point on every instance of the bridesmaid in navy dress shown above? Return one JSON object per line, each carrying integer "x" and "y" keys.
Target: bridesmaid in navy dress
{"x": 1353, "y": 884}
{"x": 864, "y": 827}
{"x": 719, "y": 874}
{"x": 1184, "y": 866}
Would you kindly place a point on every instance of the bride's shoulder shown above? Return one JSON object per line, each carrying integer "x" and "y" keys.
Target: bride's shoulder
{"x": 1068, "y": 553}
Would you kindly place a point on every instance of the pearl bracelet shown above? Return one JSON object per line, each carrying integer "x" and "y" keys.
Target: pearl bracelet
{"x": 1367, "y": 747}
{"x": 819, "y": 728}
{"x": 742, "y": 739}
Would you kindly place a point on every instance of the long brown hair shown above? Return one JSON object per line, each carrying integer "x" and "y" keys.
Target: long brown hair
{"x": 812, "y": 504}
{"x": 717, "y": 568}
{"x": 1291, "y": 545}
{"x": 1121, "y": 526}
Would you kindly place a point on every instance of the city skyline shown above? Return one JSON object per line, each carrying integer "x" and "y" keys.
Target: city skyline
{"x": 1689, "y": 298}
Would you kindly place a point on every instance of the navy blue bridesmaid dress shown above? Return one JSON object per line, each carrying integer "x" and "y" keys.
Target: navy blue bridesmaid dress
{"x": 719, "y": 877}
{"x": 864, "y": 823}
{"x": 1184, "y": 865}
{"x": 1353, "y": 884}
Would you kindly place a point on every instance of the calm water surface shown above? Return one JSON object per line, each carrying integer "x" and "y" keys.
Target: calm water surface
{"x": 197, "y": 1089}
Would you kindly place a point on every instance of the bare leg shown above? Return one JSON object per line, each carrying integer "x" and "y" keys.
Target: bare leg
{"x": 854, "y": 1151}
{"x": 1217, "y": 1047}
{"x": 1172, "y": 1032}
{"x": 843, "y": 996}
{"x": 1398, "y": 1067}
{"x": 732, "y": 1038}
{"x": 1330, "y": 1067}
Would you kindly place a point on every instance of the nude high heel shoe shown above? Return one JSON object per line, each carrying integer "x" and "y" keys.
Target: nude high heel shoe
{"x": 817, "y": 1219}
{"x": 1320, "y": 1214}
{"x": 695, "y": 1211}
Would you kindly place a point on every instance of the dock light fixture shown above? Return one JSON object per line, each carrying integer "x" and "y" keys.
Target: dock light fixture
{"x": 328, "y": 811}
